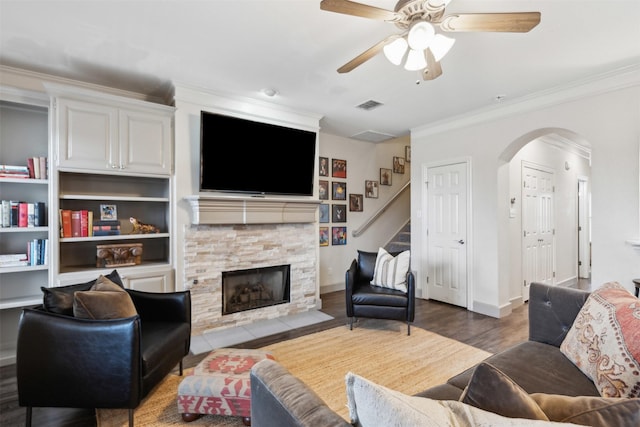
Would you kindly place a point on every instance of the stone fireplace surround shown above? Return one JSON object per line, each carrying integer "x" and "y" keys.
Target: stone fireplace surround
{"x": 228, "y": 233}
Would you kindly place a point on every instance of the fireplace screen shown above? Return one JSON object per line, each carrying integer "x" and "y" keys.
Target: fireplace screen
{"x": 254, "y": 288}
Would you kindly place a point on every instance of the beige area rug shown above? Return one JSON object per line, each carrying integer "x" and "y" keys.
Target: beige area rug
{"x": 378, "y": 350}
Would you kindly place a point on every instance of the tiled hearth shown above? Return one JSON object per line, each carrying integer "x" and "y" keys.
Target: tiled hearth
{"x": 211, "y": 249}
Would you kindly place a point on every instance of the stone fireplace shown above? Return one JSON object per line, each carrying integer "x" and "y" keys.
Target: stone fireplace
{"x": 242, "y": 234}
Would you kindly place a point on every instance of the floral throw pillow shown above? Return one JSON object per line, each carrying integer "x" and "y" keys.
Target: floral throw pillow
{"x": 604, "y": 341}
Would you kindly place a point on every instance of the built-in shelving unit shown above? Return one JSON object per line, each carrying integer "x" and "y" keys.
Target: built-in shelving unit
{"x": 23, "y": 134}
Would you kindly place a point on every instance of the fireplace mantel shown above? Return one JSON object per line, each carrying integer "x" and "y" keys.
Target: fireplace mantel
{"x": 250, "y": 210}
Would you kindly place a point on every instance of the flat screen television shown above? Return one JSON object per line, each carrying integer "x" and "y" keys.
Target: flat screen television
{"x": 244, "y": 156}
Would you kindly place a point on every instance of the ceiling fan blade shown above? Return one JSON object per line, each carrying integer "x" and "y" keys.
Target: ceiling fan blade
{"x": 367, "y": 54}
{"x": 515, "y": 22}
{"x": 433, "y": 70}
{"x": 358, "y": 9}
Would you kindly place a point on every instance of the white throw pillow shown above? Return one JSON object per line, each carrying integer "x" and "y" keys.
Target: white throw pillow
{"x": 372, "y": 405}
{"x": 391, "y": 272}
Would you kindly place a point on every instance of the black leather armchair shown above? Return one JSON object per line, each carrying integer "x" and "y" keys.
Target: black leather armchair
{"x": 64, "y": 361}
{"x": 366, "y": 300}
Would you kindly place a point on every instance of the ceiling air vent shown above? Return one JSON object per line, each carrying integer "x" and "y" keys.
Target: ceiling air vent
{"x": 369, "y": 105}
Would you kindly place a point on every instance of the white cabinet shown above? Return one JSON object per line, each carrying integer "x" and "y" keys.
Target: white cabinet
{"x": 24, "y": 124}
{"x": 157, "y": 280}
{"x": 99, "y": 132}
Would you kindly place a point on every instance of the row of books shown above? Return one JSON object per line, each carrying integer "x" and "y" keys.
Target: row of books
{"x": 37, "y": 254}
{"x": 22, "y": 214}
{"x": 36, "y": 168}
{"x": 80, "y": 223}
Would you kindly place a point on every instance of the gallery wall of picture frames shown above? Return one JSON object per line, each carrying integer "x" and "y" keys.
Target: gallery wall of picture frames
{"x": 336, "y": 190}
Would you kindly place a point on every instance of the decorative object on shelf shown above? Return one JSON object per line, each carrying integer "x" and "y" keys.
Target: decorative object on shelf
{"x": 118, "y": 255}
{"x": 371, "y": 189}
{"x": 339, "y": 213}
{"x": 355, "y": 202}
{"x": 108, "y": 212}
{"x": 407, "y": 153}
{"x": 339, "y": 168}
{"x": 142, "y": 228}
{"x": 323, "y": 168}
{"x": 398, "y": 164}
{"x": 324, "y": 236}
{"x": 323, "y": 190}
{"x": 339, "y": 191}
{"x": 385, "y": 176}
{"x": 338, "y": 236}
{"x": 324, "y": 213}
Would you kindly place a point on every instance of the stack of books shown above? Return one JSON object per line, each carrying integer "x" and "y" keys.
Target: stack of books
{"x": 11, "y": 171}
{"x": 14, "y": 260}
{"x": 106, "y": 227}
{"x": 36, "y": 169}
{"x": 76, "y": 223}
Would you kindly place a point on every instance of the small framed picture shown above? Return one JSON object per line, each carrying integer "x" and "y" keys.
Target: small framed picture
{"x": 338, "y": 213}
{"x": 371, "y": 189}
{"x": 355, "y": 202}
{"x": 323, "y": 166}
{"x": 398, "y": 164}
{"x": 385, "y": 176}
{"x": 324, "y": 213}
{"x": 323, "y": 190}
{"x": 407, "y": 153}
{"x": 339, "y": 191}
{"x": 338, "y": 235}
{"x": 323, "y": 237}
{"x": 339, "y": 168}
{"x": 108, "y": 212}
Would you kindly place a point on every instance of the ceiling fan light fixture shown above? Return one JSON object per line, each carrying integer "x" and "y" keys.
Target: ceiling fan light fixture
{"x": 421, "y": 34}
{"x": 415, "y": 60}
{"x": 441, "y": 46}
{"x": 396, "y": 50}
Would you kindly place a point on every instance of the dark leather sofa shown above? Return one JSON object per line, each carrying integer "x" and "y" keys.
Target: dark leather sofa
{"x": 65, "y": 361}
{"x": 366, "y": 300}
{"x": 537, "y": 365}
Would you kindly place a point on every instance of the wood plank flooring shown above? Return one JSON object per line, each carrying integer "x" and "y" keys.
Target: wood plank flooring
{"x": 484, "y": 332}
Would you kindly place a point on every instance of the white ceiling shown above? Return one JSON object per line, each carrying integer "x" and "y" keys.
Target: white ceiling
{"x": 240, "y": 47}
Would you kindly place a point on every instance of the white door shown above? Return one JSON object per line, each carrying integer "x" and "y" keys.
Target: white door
{"x": 537, "y": 226}
{"x": 447, "y": 233}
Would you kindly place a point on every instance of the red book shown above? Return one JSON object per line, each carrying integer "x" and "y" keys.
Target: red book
{"x": 84, "y": 223}
{"x": 23, "y": 214}
{"x": 76, "y": 227}
{"x": 30, "y": 166}
{"x": 65, "y": 219}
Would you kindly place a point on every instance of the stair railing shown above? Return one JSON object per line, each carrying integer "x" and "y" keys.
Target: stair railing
{"x": 357, "y": 232}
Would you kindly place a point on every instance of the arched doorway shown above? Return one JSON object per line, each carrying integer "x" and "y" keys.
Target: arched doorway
{"x": 541, "y": 174}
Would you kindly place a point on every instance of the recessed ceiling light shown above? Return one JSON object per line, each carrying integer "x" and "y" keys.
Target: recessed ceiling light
{"x": 270, "y": 92}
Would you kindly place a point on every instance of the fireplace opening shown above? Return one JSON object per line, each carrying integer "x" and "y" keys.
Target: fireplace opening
{"x": 255, "y": 288}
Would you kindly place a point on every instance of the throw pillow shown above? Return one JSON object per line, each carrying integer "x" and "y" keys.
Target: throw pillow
{"x": 391, "y": 272}
{"x": 60, "y": 299}
{"x": 604, "y": 341}
{"x": 492, "y": 390}
{"x": 372, "y": 405}
{"x": 105, "y": 300}
{"x": 590, "y": 410}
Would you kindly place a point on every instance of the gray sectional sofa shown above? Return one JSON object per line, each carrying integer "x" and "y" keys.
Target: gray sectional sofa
{"x": 538, "y": 366}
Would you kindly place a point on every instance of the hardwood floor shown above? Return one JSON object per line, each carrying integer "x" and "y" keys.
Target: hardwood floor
{"x": 484, "y": 332}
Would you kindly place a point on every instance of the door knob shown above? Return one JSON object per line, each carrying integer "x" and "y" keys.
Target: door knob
{"x": 461, "y": 241}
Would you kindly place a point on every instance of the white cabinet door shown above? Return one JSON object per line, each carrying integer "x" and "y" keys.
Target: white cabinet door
{"x": 145, "y": 142}
{"x": 87, "y": 135}
{"x": 160, "y": 281}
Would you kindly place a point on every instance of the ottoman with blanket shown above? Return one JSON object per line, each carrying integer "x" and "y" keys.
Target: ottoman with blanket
{"x": 220, "y": 385}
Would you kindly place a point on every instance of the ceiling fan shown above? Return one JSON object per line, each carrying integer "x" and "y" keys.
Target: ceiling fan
{"x": 418, "y": 46}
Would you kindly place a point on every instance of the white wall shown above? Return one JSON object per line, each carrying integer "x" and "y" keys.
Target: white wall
{"x": 364, "y": 160}
{"x": 606, "y": 113}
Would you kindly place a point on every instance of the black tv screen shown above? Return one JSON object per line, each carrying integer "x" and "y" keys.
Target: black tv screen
{"x": 245, "y": 156}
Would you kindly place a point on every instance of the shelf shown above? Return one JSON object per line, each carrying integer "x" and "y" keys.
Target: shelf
{"x": 23, "y": 268}
{"x": 112, "y": 198}
{"x": 7, "y": 303}
{"x": 119, "y": 237}
{"x": 24, "y": 181}
{"x": 23, "y": 229}
{"x": 71, "y": 271}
